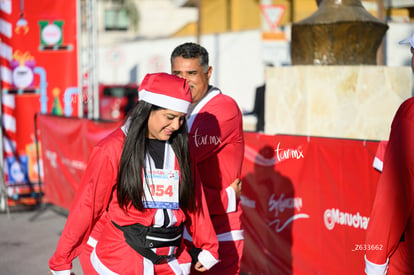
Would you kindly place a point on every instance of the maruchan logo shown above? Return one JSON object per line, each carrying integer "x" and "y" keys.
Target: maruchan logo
{"x": 333, "y": 216}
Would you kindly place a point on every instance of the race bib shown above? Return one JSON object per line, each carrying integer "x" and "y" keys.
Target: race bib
{"x": 161, "y": 190}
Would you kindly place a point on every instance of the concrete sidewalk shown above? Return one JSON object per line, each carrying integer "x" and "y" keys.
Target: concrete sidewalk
{"x": 28, "y": 239}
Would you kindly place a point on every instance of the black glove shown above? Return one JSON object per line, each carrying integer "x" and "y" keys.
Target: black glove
{"x": 194, "y": 254}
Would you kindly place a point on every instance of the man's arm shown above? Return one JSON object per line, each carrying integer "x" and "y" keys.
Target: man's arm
{"x": 217, "y": 149}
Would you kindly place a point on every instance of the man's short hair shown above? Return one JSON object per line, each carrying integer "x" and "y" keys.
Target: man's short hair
{"x": 191, "y": 50}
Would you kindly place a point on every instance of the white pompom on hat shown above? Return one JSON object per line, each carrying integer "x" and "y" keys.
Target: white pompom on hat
{"x": 165, "y": 90}
{"x": 409, "y": 40}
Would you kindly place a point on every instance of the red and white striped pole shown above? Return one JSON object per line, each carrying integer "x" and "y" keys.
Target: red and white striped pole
{"x": 8, "y": 120}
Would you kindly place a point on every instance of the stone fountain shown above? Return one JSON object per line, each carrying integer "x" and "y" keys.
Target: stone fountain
{"x": 334, "y": 87}
{"x": 340, "y": 32}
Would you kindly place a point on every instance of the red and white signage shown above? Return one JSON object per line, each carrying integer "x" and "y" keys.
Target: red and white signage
{"x": 66, "y": 153}
{"x": 306, "y": 203}
{"x": 306, "y": 200}
{"x": 273, "y": 15}
{"x": 38, "y": 69}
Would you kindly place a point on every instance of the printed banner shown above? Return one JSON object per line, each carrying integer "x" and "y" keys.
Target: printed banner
{"x": 38, "y": 65}
{"x": 306, "y": 200}
{"x": 66, "y": 152}
{"x": 39, "y": 53}
{"x": 306, "y": 203}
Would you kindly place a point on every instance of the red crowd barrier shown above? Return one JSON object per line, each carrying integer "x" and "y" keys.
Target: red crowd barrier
{"x": 65, "y": 146}
{"x": 306, "y": 200}
{"x": 306, "y": 203}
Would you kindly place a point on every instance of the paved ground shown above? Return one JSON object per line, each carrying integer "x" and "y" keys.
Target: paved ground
{"x": 28, "y": 239}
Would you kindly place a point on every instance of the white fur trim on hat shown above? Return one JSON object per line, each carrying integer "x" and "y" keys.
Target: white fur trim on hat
{"x": 164, "y": 101}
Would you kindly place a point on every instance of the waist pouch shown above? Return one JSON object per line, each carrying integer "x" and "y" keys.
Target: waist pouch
{"x": 143, "y": 238}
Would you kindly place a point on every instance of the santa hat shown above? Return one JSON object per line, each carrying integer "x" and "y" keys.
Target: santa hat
{"x": 165, "y": 90}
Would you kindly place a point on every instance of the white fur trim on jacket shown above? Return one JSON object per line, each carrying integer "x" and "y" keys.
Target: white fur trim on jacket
{"x": 375, "y": 269}
{"x": 206, "y": 259}
{"x": 60, "y": 272}
{"x": 235, "y": 235}
{"x": 231, "y": 196}
{"x": 99, "y": 266}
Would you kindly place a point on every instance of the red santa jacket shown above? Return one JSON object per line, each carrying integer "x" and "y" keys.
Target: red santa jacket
{"x": 91, "y": 203}
{"x": 390, "y": 233}
{"x": 217, "y": 150}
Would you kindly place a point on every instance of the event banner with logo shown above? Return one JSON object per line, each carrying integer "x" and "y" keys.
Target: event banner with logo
{"x": 66, "y": 144}
{"x": 306, "y": 200}
{"x": 39, "y": 73}
{"x": 306, "y": 203}
{"x": 39, "y": 50}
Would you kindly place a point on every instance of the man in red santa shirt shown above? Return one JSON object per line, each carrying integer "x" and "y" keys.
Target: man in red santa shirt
{"x": 217, "y": 149}
{"x": 390, "y": 233}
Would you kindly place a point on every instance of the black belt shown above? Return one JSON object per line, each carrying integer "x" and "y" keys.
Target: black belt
{"x": 143, "y": 238}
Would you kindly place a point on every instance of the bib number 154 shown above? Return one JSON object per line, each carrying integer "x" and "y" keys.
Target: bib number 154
{"x": 160, "y": 190}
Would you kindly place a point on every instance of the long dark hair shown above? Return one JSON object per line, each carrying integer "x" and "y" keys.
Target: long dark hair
{"x": 130, "y": 184}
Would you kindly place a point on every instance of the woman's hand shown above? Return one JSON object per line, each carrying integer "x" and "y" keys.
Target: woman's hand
{"x": 199, "y": 267}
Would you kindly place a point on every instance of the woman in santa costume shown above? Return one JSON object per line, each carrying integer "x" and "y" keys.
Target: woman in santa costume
{"x": 137, "y": 193}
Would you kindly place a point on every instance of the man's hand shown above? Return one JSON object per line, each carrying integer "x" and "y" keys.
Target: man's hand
{"x": 199, "y": 267}
{"x": 237, "y": 186}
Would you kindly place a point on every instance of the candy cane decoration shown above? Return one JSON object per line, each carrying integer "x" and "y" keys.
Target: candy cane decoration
{"x": 8, "y": 101}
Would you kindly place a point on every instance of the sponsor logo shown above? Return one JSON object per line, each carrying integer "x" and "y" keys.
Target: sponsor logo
{"x": 51, "y": 156}
{"x": 205, "y": 140}
{"x": 271, "y": 156}
{"x": 285, "y": 154}
{"x": 333, "y": 216}
{"x": 74, "y": 164}
{"x": 279, "y": 205}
